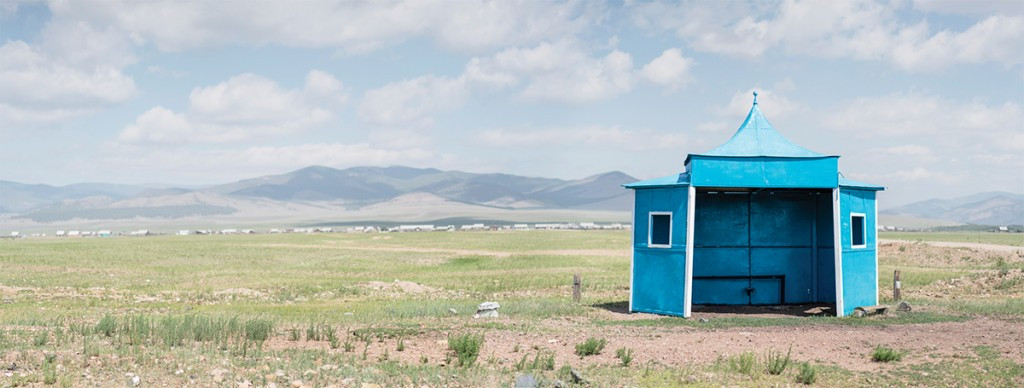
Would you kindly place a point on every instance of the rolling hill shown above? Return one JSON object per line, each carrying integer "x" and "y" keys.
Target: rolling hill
{"x": 319, "y": 192}
{"x": 988, "y": 208}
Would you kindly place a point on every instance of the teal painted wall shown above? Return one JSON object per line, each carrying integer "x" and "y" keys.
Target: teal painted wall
{"x": 860, "y": 274}
{"x": 764, "y": 171}
{"x": 659, "y": 273}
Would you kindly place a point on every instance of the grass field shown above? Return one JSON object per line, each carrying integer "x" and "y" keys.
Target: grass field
{"x": 1013, "y": 239}
{"x": 353, "y": 309}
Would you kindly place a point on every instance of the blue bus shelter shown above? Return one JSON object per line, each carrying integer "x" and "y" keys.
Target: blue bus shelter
{"x": 757, "y": 221}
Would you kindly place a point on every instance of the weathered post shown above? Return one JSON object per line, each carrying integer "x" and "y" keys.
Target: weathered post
{"x": 577, "y": 283}
{"x": 896, "y": 286}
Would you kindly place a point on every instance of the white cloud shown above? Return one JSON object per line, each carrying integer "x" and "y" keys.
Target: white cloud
{"x": 996, "y": 39}
{"x": 975, "y": 7}
{"x": 670, "y": 69}
{"x": 471, "y": 25}
{"x": 771, "y": 103}
{"x": 549, "y": 72}
{"x": 601, "y": 136}
{"x": 915, "y": 150}
{"x": 36, "y": 87}
{"x": 915, "y": 113}
{"x": 916, "y": 137}
{"x": 412, "y": 101}
{"x": 862, "y": 30}
{"x": 242, "y": 107}
{"x": 560, "y": 71}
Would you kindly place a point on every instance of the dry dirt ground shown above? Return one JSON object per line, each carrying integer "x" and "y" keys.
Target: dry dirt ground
{"x": 846, "y": 346}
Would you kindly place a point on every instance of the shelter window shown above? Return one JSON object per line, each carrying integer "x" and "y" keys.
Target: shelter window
{"x": 857, "y": 230}
{"x": 661, "y": 230}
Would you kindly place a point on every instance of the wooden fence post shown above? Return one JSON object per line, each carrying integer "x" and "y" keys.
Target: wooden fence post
{"x": 896, "y": 286}
{"x": 577, "y": 283}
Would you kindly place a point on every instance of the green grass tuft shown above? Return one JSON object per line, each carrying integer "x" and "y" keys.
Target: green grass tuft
{"x": 625, "y": 356}
{"x": 590, "y": 347}
{"x": 466, "y": 347}
{"x": 808, "y": 374}
{"x": 743, "y": 362}
{"x": 885, "y": 354}
{"x": 107, "y": 326}
{"x": 775, "y": 363}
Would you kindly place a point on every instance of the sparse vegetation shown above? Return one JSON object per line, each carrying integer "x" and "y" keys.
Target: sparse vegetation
{"x": 49, "y": 369}
{"x": 885, "y": 354}
{"x": 466, "y": 347}
{"x": 41, "y": 338}
{"x": 808, "y": 374}
{"x": 120, "y": 305}
{"x": 743, "y": 362}
{"x": 540, "y": 361}
{"x": 106, "y": 326}
{"x": 775, "y": 363}
{"x": 625, "y": 356}
{"x": 590, "y": 347}
{"x": 1002, "y": 267}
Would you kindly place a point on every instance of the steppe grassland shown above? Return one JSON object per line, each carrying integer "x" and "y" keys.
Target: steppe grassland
{"x": 261, "y": 309}
{"x": 1012, "y": 239}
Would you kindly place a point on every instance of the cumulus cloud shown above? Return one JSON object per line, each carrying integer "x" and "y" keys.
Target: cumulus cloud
{"x": 38, "y": 87}
{"x": 412, "y": 101}
{"x": 605, "y": 136}
{"x": 916, "y": 113}
{"x": 561, "y": 72}
{"x": 242, "y": 107}
{"x": 671, "y": 70}
{"x": 862, "y": 30}
{"x": 771, "y": 102}
{"x": 471, "y": 25}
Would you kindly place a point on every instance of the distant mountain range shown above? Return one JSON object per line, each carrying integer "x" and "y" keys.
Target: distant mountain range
{"x": 989, "y": 208}
{"x": 316, "y": 190}
{"x": 319, "y": 194}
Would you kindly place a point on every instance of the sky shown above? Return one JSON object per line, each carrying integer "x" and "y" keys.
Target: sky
{"x": 923, "y": 97}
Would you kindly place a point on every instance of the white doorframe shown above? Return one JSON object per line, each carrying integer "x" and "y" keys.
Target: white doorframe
{"x": 632, "y": 248}
{"x": 691, "y": 204}
{"x": 838, "y": 247}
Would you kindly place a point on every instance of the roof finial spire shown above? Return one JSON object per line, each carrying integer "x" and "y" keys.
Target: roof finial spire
{"x": 755, "y": 97}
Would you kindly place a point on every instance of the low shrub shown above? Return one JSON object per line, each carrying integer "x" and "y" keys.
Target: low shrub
{"x": 624, "y": 355}
{"x": 49, "y": 369}
{"x": 106, "y": 326}
{"x": 41, "y": 339}
{"x": 466, "y": 347}
{"x": 743, "y": 362}
{"x": 541, "y": 361}
{"x": 775, "y": 362}
{"x": 885, "y": 354}
{"x": 808, "y": 374}
{"x": 590, "y": 347}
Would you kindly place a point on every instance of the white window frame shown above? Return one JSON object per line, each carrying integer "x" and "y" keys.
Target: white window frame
{"x": 864, "y": 232}
{"x": 650, "y": 229}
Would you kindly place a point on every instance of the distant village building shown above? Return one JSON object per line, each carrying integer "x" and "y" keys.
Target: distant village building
{"x": 415, "y": 228}
{"x": 757, "y": 221}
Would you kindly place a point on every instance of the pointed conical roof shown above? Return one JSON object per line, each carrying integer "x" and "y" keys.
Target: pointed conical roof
{"x": 756, "y": 137}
